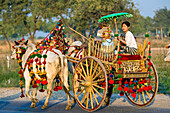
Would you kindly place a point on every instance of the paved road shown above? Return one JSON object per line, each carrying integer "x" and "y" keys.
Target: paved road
{"x": 11, "y": 103}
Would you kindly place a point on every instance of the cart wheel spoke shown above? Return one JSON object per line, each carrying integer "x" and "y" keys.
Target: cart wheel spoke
{"x": 98, "y": 86}
{"x": 97, "y": 92}
{"x": 91, "y": 67}
{"x": 84, "y": 96}
{"x": 95, "y": 70}
{"x": 148, "y": 94}
{"x": 91, "y": 99}
{"x": 81, "y": 74}
{"x": 98, "y": 80}
{"x": 83, "y": 69}
{"x": 97, "y": 74}
{"x": 94, "y": 96}
{"x": 139, "y": 98}
{"x": 87, "y": 102}
{"x": 80, "y": 92}
{"x": 143, "y": 97}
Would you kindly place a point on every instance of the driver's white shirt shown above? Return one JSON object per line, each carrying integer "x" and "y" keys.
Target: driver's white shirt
{"x": 130, "y": 40}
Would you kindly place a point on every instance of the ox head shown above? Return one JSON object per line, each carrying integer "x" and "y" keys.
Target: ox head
{"x": 20, "y": 47}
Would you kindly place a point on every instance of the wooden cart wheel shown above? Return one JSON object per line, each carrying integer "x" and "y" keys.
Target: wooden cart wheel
{"x": 90, "y": 83}
{"x": 146, "y": 97}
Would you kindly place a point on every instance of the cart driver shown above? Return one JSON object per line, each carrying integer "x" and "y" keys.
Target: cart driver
{"x": 102, "y": 28}
{"x": 105, "y": 34}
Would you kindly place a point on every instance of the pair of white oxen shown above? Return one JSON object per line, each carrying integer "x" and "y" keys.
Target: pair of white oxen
{"x": 56, "y": 65}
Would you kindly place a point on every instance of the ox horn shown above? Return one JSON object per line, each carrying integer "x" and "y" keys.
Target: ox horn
{"x": 17, "y": 43}
{"x": 26, "y": 42}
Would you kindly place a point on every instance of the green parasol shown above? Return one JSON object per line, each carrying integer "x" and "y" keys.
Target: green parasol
{"x": 114, "y": 16}
{"x": 110, "y": 17}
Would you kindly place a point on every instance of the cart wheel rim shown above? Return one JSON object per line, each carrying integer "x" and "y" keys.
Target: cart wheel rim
{"x": 90, "y": 83}
{"x": 146, "y": 97}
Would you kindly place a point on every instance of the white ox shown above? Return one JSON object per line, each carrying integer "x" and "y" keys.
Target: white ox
{"x": 167, "y": 58}
{"x": 55, "y": 65}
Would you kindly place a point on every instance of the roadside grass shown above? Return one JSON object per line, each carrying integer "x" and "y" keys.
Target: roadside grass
{"x": 9, "y": 77}
{"x": 163, "y": 70}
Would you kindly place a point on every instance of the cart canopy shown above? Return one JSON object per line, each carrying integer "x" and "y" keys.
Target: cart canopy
{"x": 111, "y": 17}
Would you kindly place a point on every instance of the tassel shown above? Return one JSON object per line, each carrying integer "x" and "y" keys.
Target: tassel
{"x": 22, "y": 95}
{"x": 56, "y": 88}
{"x": 42, "y": 90}
{"x": 35, "y": 86}
{"x": 20, "y": 72}
{"x": 121, "y": 93}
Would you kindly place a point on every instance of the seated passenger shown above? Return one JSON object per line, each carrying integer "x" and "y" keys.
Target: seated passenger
{"x": 107, "y": 38}
{"x": 102, "y": 28}
{"x": 130, "y": 42}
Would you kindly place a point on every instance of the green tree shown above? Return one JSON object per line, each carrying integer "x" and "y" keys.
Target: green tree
{"x": 161, "y": 18}
{"x": 86, "y": 13}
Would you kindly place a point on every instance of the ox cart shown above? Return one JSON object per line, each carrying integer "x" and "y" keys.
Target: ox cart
{"x": 100, "y": 69}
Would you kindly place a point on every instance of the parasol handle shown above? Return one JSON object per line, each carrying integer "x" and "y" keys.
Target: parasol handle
{"x": 115, "y": 26}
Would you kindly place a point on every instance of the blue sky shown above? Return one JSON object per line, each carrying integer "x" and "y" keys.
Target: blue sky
{"x": 147, "y": 7}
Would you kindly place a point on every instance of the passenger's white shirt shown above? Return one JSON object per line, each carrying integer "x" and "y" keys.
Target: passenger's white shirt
{"x": 130, "y": 40}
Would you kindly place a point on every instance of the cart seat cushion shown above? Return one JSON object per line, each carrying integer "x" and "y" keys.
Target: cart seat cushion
{"x": 130, "y": 57}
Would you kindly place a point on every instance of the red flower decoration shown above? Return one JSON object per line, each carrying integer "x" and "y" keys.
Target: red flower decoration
{"x": 130, "y": 91}
{"x": 149, "y": 87}
{"x": 38, "y": 81}
{"x": 140, "y": 90}
{"x": 119, "y": 62}
{"x": 44, "y": 82}
{"x": 111, "y": 81}
{"x": 133, "y": 95}
{"x": 145, "y": 88}
{"x": 126, "y": 82}
{"x": 59, "y": 87}
{"x": 126, "y": 89}
{"x": 119, "y": 88}
{"x": 140, "y": 82}
{"x": 150, "y": 63}
{"x": 130, "y": 82}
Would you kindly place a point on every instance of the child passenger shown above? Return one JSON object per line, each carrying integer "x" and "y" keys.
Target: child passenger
{"x": 130, "y": 42}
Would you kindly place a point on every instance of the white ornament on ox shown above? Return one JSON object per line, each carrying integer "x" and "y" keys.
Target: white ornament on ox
{"x": 167, "y": 58}
{"x": 55, "y": 65}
